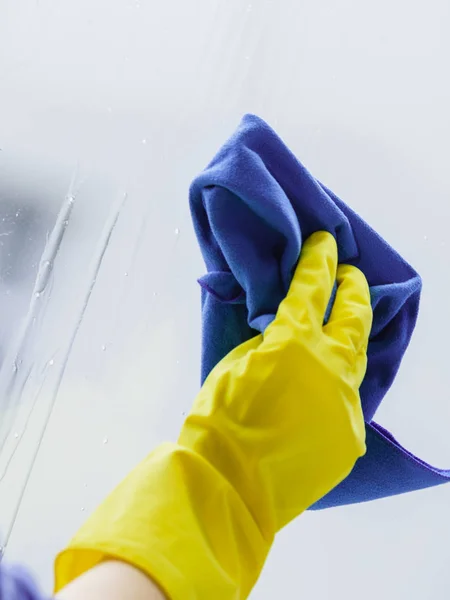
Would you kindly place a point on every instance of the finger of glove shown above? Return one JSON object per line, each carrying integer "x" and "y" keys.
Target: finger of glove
{"x": 312, "y": 284}
{"x": 350, "y": 320}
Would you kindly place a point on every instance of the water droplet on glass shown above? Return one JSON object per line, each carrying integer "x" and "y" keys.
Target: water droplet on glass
{"x": 155, "y": 294}
{"x": 177, "y": 362}
{"x": 51, "y": 362}
{"x": 183, "y": 414}
{"x": 37, "y": 294}
{"x": 126, "y": 273}
{"x": 177, "y": 231}
{"x": 82, "y": 509}
{"x": 85, "y": 485}
{"x": 105, "y": 440}
{"x": 16, "y": 435}
{"x": 103, "y": 348}
{"x": 425, "y": 237}
{"x": 144, "y": 141}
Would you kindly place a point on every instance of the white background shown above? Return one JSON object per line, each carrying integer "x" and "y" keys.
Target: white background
{"x": 119, "y": 104}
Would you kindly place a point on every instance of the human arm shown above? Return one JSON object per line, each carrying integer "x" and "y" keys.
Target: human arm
{"x": 114, "y": 580}
{"x": 277, "y": 424}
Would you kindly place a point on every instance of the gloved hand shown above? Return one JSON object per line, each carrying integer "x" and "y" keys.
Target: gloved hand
{"x": 277, "y": 425}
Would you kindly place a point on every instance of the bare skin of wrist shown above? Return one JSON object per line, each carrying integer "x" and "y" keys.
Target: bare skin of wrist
{"x": 114, "y": 580}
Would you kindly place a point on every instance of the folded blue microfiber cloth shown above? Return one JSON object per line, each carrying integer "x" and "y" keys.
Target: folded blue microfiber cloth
{"x": 252, "y": 207}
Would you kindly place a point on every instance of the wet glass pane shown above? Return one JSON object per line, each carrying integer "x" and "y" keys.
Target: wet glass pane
{"x": 108, "y": 109}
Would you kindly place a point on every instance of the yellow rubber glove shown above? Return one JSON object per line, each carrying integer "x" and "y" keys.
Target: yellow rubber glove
{"x": 277, "y": 425}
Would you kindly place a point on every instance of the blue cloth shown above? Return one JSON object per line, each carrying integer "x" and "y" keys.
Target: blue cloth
{"x": 252, "y": 207}
{"x": 16, "y": 583}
